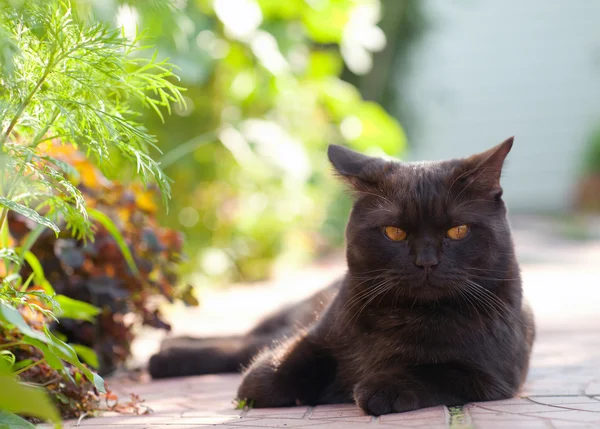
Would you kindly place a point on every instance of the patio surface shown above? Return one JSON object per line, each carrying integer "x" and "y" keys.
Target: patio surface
{"x": 562, "y": 282}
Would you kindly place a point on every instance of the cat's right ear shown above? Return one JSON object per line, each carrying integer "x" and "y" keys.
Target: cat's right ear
{"x": 360, "y": 171}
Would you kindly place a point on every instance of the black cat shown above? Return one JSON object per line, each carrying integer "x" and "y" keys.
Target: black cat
{"x": 430, "y": 311}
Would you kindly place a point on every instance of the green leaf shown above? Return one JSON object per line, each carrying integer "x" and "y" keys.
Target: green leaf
{"x": 243, "y": 404}
{"x": 110, "y": 226}
{"x": 22, "y": 364}
{"x": 30, "y": 240}
{"x": 38, "y": 272}
{"x": 12, "y": 316}
{"x": 8, "y": 50}
{"x": 49, "y": 353}
{"x": 68, "y": 354}
{"x": 47, "y": 344}
{"x": 18, "y": 398}
{"x": 9, "y": 254}
{"x": 88, "y": 355}
{"x": 28, "y": 213}
{"x": 54, "y": 349}
{"x": 12, "y": 421}
{"x": 74, "y": 309}
{"x": 8, "y": 357}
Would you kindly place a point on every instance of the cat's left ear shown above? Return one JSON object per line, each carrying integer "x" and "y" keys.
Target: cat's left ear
{"x": 484, "y": 169}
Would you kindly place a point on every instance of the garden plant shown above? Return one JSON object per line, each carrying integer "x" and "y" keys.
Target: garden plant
{"x": 66, "y": 82}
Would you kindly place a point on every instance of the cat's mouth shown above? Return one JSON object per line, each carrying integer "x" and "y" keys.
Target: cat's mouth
{"x": 430, "y": 286}
{"x": 430, "y": 278}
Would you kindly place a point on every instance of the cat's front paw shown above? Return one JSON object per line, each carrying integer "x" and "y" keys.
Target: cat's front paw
{"x": 261, "y": 388}
{"x": 378, "y": 398}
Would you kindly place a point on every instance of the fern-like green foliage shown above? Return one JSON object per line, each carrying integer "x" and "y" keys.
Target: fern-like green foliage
{"x": 63, "y": 79}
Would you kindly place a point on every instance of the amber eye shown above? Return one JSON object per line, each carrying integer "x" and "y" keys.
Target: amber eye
{"x": 394, "y": 233}
{"x": 458, "y": 232}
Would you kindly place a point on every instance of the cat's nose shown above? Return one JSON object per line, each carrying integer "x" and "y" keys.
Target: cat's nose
{"x": 426, "y": 260}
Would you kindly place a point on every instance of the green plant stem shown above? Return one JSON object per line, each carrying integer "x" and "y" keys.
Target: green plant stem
{"x": 46, "y": 384}
{"x": 112, "y": 229}
{"x": 4, "y": 236}
{"x": 14, "y": 343}
{"x": 3, "y": 227}
{"x": 40, "y": 135}
{"x": 36, "y": 363}
{"x": 3, "y": 214}
{"x": 26, "y": 102}
{"x": 52, "y": 137}
{"x": 29, "y": 241}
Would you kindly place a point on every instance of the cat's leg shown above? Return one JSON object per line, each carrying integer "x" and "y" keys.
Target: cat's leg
{"x": 293, "y": 373}
{"x": 182, "y": 356}
{"x": 197, "y": 356}
{"x": 427, "y": 386}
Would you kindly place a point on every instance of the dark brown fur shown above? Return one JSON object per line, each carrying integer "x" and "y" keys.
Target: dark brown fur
{"x": 416, "y": 323}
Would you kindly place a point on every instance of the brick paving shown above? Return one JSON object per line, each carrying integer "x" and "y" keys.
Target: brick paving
{"x": 562, "y": 281}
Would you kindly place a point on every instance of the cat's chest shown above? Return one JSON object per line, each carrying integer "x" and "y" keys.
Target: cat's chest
{"x": 420, "y": 336}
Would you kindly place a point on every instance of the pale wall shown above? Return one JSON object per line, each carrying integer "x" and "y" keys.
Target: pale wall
{"x": 486, "y": 70}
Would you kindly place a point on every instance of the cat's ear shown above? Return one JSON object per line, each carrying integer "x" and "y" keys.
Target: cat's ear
{"x": 483, "y": 170}
{"x": 360, "y": 171}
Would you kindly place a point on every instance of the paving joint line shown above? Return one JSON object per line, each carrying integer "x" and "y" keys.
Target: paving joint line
{"x": 573, "y": 395}
{"x": 459, "y": 418}
{"x": 308, "y": 413}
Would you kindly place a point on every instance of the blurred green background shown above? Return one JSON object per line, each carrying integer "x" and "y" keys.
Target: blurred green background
{"x": 268, "y": 85}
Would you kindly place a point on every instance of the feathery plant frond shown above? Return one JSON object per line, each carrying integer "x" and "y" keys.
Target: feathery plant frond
{"x": 66, "y": 83}
{"x": 71, "y": 81}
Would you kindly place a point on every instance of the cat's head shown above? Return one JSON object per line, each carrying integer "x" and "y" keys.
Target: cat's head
{"x": 427, "y": 229}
